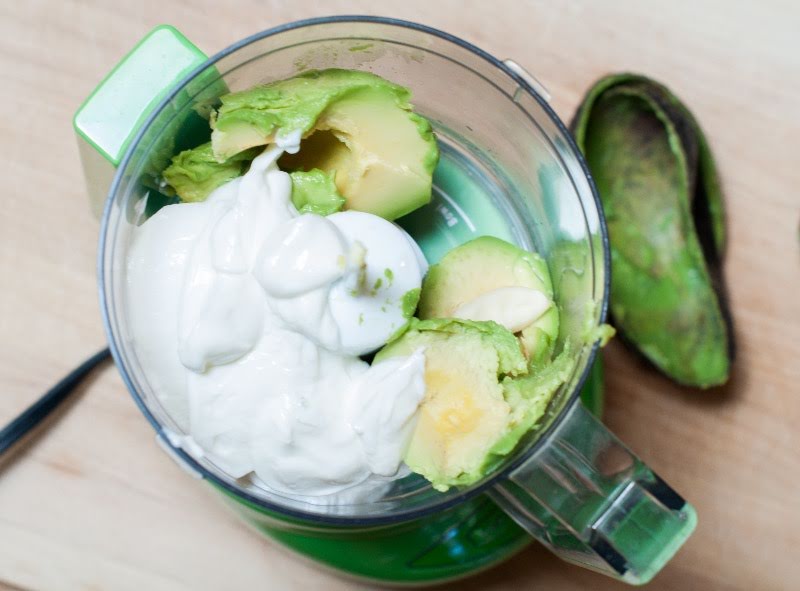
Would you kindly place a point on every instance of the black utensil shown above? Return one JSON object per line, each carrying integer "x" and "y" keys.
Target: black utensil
{"x": 51, "y": 400}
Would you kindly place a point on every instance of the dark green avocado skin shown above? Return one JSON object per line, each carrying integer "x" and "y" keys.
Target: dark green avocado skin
{"x": 663, "y": 204}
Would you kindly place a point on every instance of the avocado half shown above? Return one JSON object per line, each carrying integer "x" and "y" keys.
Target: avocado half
{"x": 485, "y": 386}
{"x": 663, "y": 204}
{"x": 362, "y": 147}
{"x": 355, "y": 126}
{"x": 481, "y": 396}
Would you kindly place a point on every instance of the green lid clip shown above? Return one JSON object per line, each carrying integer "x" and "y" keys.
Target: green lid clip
{"x": 108, "y": 120}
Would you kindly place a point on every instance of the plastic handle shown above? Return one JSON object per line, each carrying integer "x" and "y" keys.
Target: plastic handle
{"x": 108, "y": 120}
{"x": 594, "y": 503}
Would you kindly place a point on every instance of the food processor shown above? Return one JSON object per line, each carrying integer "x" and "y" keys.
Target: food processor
{"x": 509, "y": 169}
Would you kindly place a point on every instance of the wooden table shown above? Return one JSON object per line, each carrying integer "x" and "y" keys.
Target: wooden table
{"x": 96, "y": 505}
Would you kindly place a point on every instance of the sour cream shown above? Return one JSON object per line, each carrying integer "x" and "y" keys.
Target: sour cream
{"x": 248, "y": 319}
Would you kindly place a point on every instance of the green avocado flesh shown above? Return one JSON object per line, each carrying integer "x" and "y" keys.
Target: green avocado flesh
{"x": 254, "y": 117}
{"x": 482, "y": 265}
{"x": 356, "y": 126}
{"x": 643, "y": 148}
{"x": 359, "y": 132}
{"x": 481, "y": 397}
{"x": 195, "y": 173}
{"x": 363, "y": 148}
{"x": 315, "y": 192}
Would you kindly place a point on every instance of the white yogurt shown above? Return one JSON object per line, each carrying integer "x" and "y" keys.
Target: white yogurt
{"x": 247, "y": 319}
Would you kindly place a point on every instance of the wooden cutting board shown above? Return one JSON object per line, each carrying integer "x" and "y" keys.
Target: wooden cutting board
{"x": 95, "y": 504}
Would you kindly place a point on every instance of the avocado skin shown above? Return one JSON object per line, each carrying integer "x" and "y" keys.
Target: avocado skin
{"x": 663, "y": 203}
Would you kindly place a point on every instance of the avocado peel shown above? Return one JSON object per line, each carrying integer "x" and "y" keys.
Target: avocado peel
{"x": 663, "y": 202}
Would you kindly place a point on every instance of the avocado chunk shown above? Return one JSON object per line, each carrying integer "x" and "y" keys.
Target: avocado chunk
{"x": 356, "y": 126}
{"x": 464, "y": 413}
{"x": 663, "y": 205}
{"x": 194, "y": 174}
{"x": 315, "y": 192}
{"x": 528, "y": 397}
{"x": 492, "y": 269}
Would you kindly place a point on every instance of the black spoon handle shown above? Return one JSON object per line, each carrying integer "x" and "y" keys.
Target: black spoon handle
{"x": 40, "y": 409}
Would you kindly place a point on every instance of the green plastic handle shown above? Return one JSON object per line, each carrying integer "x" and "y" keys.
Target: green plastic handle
{"x": 592, "y": 502}
{"x": 108, "y": 120}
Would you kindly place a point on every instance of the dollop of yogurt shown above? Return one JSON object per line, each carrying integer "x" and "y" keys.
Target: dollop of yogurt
{"x": 248, "y": 319}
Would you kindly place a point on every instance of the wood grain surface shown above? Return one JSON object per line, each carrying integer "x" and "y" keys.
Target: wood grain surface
{"x": 95, "y": 504}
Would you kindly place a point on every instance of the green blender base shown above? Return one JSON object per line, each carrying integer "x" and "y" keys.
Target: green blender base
{"x": 456, "y": 543}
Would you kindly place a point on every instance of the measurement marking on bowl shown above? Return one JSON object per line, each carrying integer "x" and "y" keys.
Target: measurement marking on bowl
{"x": 449, "y": 219}
{"x": 445, "y": 211}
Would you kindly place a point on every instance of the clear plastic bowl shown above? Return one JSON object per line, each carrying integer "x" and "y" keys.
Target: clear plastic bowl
{"x": 509, "y": 168}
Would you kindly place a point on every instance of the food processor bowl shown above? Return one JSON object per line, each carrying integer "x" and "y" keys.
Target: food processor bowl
{"x": 508, "y": 168}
